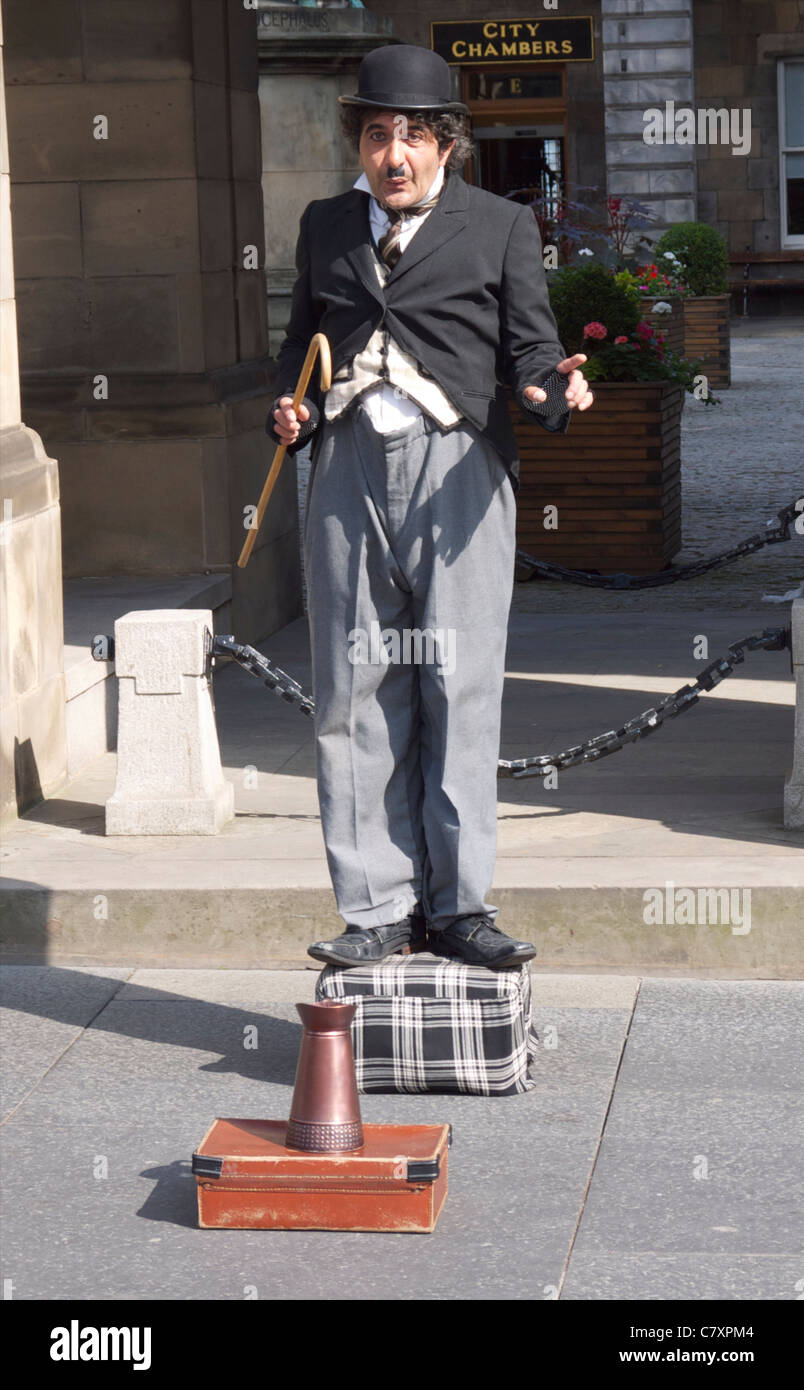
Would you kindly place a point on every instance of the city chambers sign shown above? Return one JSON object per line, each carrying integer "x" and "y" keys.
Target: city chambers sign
{"x": 489, "y": 41}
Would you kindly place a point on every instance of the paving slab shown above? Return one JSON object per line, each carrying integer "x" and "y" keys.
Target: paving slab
{"x": 700, "y": 1277}
{"x": 700, "y": 1157}
{"x": 42, "y": 1012}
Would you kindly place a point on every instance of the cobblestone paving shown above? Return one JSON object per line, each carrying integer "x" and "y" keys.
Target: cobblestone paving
{"x": 741, "y": 461}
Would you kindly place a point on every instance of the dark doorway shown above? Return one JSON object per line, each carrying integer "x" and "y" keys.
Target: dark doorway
{"x": 525, "y": 161}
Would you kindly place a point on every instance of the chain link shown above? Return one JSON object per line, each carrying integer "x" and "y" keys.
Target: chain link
{"x": 775, "y": 532}
{"x": 771, "y": 639}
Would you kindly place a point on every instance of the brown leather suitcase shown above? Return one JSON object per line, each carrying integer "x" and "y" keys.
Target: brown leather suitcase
{"x": 248, "y": 1179}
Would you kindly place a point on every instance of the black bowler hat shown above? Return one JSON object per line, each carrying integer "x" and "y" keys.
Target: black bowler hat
{"x": 404, "y": 77}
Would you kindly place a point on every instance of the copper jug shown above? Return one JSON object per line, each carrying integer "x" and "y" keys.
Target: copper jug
{"x": 325, "y": 1110}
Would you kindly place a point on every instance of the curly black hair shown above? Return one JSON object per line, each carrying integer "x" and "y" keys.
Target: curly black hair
{"x": 445, "y": 126}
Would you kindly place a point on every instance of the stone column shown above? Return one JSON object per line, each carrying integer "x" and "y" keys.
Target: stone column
{"x": 794, "y": 786}
{"x": 33, "y": 744}
{"x": 139, "y": 247}
{"x": 647, "y": 60}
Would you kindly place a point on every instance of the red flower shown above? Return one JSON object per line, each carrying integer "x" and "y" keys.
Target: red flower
{"x": 595, "y": 330}
{"x": 621, "y": 339}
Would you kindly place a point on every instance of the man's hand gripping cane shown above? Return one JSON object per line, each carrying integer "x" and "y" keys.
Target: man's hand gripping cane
{"x": 292, "y": 412}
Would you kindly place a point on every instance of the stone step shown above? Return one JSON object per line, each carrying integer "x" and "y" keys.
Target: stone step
{"x": 581, "y": 926}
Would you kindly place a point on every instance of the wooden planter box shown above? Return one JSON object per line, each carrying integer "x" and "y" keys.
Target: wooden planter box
{"x": 672, "y": 325}
{"x": 706, "y": 335}
{"x": 615, "y": 478}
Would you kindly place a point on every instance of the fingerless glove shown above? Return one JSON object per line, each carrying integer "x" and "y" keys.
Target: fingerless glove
{"x": 306, "y": 427}
{"x": 554, "y": 413}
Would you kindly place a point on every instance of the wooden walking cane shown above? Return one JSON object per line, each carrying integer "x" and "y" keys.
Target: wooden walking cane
{"x": 319, "y": 347}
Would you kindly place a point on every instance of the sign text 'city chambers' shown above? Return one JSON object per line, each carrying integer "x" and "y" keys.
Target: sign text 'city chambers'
{"x": 487, "y": 41}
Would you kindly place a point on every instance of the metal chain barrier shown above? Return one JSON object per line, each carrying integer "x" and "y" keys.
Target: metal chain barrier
{"x": 775, "y": 532}
{"x": 770, "y": 639}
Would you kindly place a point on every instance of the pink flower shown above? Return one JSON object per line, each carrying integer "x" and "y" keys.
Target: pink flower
{"x": 644, "y": 331}
{"x": 595, "y": 330}
{"x": 621, "y": 339}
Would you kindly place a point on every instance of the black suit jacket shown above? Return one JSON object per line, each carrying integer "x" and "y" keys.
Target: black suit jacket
{"x": 467, "y": 299}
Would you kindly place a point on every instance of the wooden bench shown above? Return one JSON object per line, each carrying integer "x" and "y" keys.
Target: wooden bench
{"x": 775, "y": 281}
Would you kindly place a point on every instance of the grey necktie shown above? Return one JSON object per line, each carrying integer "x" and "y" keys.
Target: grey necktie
{"x": 388, "y": 244}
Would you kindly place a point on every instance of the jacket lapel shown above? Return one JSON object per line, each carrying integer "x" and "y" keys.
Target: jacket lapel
{"x": 354, "y": 234}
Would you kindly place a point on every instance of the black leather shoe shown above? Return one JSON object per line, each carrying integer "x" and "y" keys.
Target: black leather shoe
{"x": 367, "y": 945}
{"x": 476, "y": 941}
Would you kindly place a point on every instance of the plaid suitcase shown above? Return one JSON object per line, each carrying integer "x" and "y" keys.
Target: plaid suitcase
{"x": 424, "y": 1023}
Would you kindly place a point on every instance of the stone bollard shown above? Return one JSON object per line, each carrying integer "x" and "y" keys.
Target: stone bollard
{"x": 169, "y": 775}
{"x": 794, "y": 786}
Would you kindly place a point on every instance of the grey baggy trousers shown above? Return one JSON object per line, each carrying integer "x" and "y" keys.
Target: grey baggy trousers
{"x": 404, "y": 533}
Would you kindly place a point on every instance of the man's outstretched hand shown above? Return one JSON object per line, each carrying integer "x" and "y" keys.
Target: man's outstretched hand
{"x": 577, "y": 393}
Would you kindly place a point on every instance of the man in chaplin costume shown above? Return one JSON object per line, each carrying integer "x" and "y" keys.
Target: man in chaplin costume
{"x": 432, "y": 295}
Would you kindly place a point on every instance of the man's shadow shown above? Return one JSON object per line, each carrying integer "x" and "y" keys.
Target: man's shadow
{"x": 205, "y": 1027}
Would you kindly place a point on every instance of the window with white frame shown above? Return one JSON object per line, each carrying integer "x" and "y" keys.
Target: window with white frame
{"x": 791, "y": 150}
